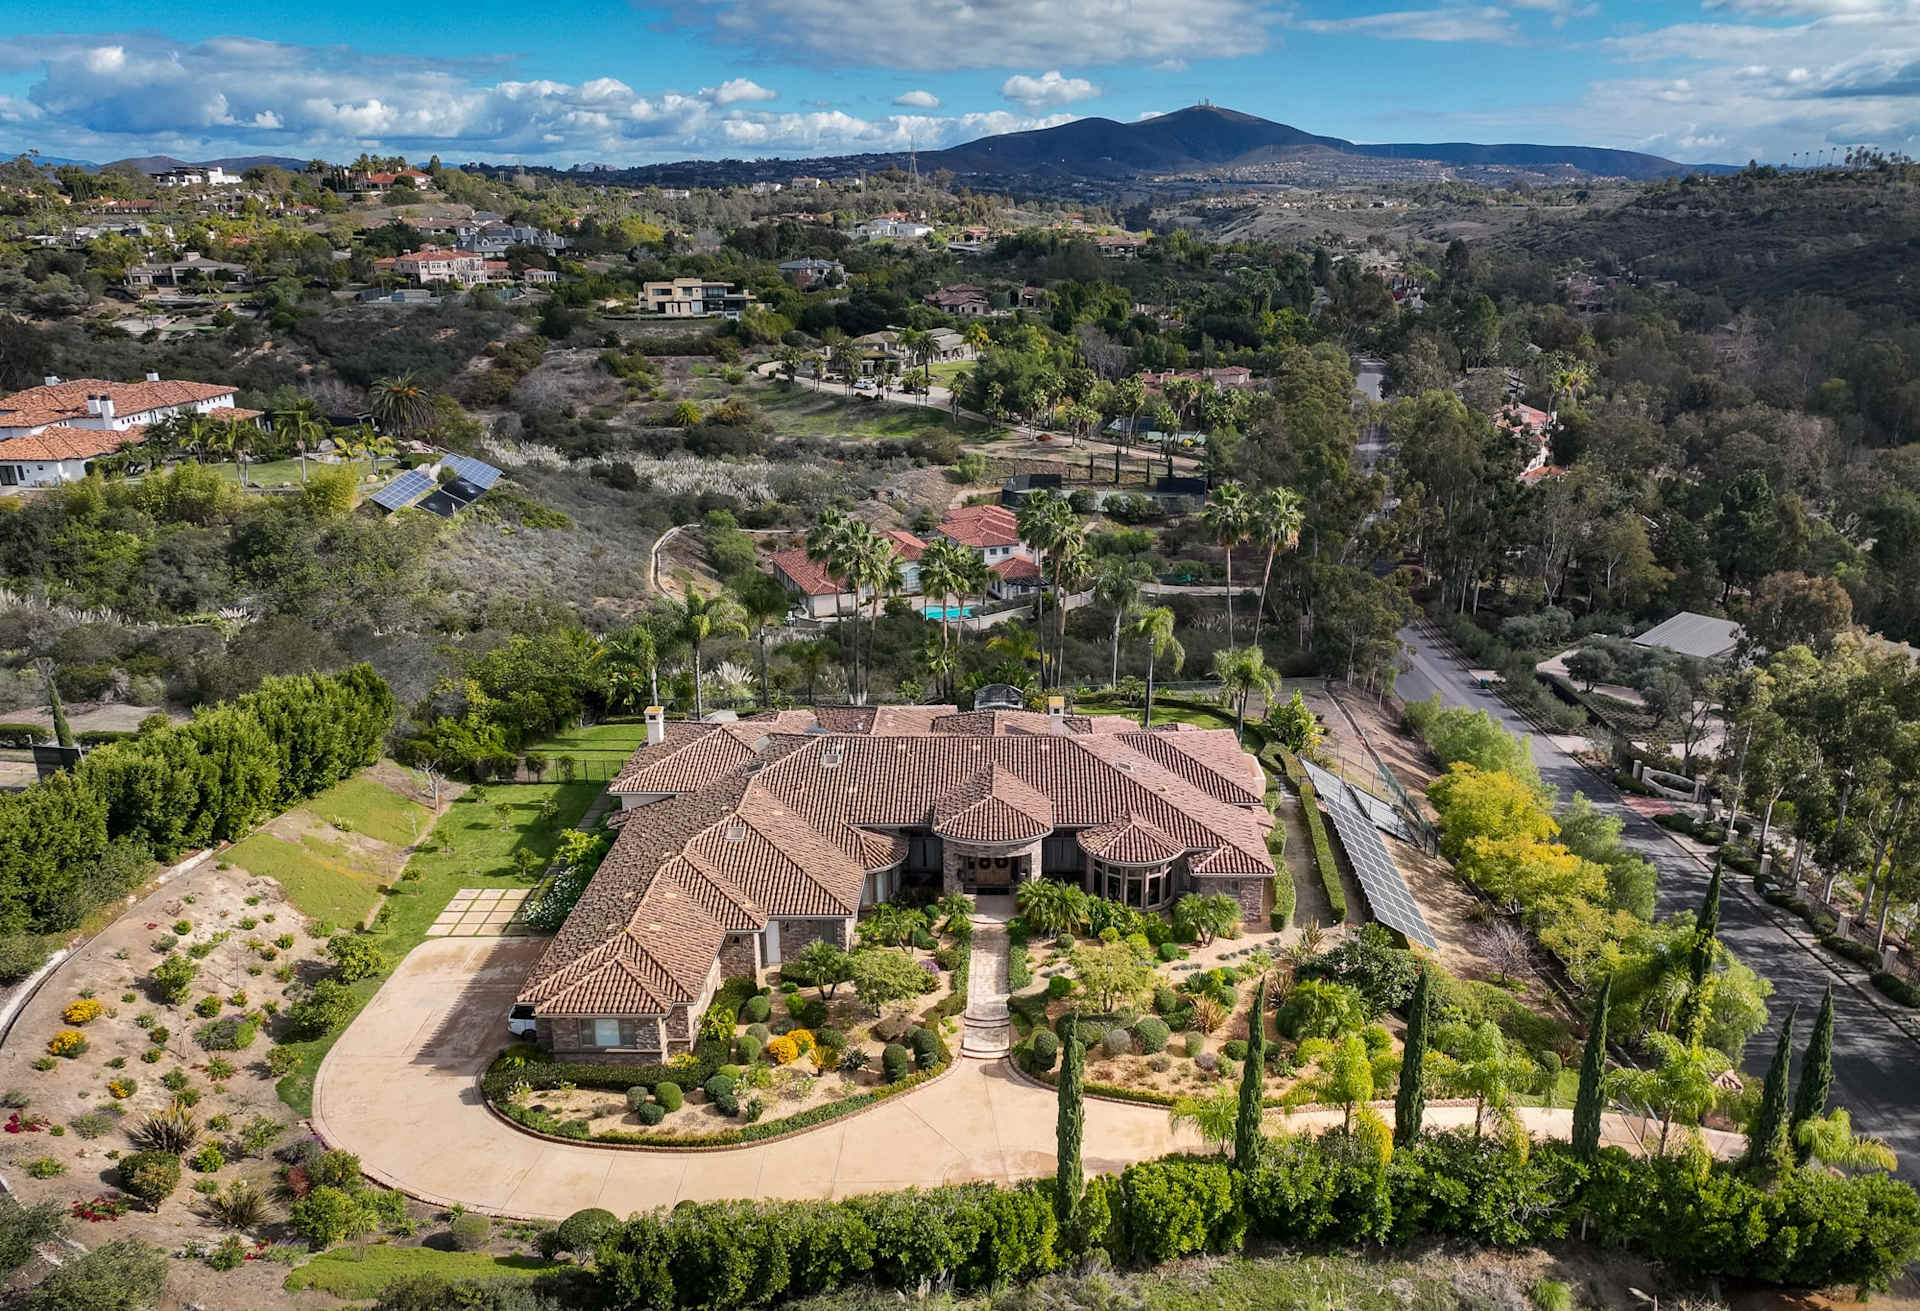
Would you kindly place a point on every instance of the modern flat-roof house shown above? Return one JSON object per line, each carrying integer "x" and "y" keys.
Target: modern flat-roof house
{"x": 740, "y": 843}
{"x": 1695, "y": 636}
{"x": 891, "y": 229}
{"x": 49, "y": 433}
{"x": 211, "y": 176}
{"x": 693, "y": 298}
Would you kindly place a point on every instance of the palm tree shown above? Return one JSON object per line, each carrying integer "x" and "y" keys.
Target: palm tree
{"x": 1116, "y": 585}
{"x": 1016, "y": 644}
{"x": 1214, "y": 1117}
{"x": 943, "y": 661}
{"x": 1273, "y": 521}
{"x": 239, "y": 438}
{"x": 943, "y": 575}
{"x": 1155, "y": 627}
{"x": 698, "y": 620}
{"x": 830, "y": 545}
{"x": 765, "y": 607}
{"x": 1071, "y": 568}
{"x": 977, "y": 336}
{"x": 1682, "y": 1085}
{"x": 1081, "y": 419}
{"x": 1129, "y": 397}
{"x": 917, "y": 344}
{"x": 302, "y": 424}
{"x": 788, "y": 358}
{"x": 1226, "y": 516}
{"x": 630, "y": 661}
{"x": 1243, "y": 670}
{"x": 812, "y": 657}
{"x": 875, "y": 566}
{"x": 1047, "y": 523}
{"x": 400, "y": 404}
{"x": 976, "y": 578}
{"x": 1488, "y": 1073}
{"x": 1830, "y": 1140}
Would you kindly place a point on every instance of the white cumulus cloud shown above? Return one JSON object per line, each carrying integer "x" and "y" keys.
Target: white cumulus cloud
{"x": 1050, "y": 88}
{"x": 738, "y": 89}
{"x": 917, "y": 100}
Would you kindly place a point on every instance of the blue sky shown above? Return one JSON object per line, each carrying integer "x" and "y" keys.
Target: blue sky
{"x": 566, "y": 81}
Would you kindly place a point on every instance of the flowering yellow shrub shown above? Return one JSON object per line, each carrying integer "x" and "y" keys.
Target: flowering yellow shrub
{"x": 783, "y": 1050}
{"x": 82, "y": 1011}
{"x": 802, "y": 1039}
{"x": 121, "y": 1089}
{"x": 67, "y": 1042}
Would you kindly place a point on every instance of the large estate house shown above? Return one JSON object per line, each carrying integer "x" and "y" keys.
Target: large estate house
{"x": 50, "y": 433}
{"x": 739, "y": 843}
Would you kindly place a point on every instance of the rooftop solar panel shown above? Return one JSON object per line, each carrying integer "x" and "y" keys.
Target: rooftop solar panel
{"x": 404, "y": 490}
{"x": 1386, "y": 891}
{"x": 478, "y": 472}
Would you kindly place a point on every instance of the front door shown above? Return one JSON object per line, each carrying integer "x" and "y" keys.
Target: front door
{"x": 989, "y": 874}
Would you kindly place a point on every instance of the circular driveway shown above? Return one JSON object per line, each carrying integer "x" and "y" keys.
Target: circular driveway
{"x": 400, "y": 1090}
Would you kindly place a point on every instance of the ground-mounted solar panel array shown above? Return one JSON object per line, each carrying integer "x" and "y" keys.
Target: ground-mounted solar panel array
{"x": 1380, "y": 879}
{"x": 478, "y": 472}
{"x": 404, "y": 490}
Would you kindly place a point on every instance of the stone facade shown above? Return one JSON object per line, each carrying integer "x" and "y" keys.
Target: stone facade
{"x": 796, "y": 934}
{"x": 740, "y": 955}
{"x": 953, "y": 861}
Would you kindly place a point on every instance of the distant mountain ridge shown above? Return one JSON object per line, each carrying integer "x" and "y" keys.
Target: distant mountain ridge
{"x": 164, "y": 163}
{"x": 1208, "y": 137}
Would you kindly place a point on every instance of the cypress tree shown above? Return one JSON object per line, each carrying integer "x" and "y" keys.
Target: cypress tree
{"x": 1768, "y": 1145}
{"x": 1253, "y": 1085}
{"x": 1072, "y": 1121}
{"x": 1590, "y": 1100}
{"x": 1700, "y": 960}
{"x": 62, "y": 731}
{"x": 1410, "y": 1103}
{"x": 1816, "y": 1075}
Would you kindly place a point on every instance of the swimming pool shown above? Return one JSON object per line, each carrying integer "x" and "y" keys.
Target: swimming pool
{"x": 937, "y": 612}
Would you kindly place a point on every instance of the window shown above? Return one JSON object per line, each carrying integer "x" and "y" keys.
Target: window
{"x": 606, "y": 1033}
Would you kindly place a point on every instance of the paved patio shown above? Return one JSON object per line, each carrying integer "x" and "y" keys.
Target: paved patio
{"x": 399, "y": 1090}
{"x": 481, "y": 913}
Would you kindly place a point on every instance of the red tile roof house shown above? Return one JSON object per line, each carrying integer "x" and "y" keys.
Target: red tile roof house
{"x": 993, "y": 533}
{"x": 739, "y": 843}
{"x": 821, "y": 596}
{"x": 437, "y": 264}
{"x": 1533, "y": 427}
{"x": 49, "y": 433}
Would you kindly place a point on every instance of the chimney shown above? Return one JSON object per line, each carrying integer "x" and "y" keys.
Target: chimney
{"x": 93, "y": 405}
{"x": 51, "y": 380}
{"x": 152, "y": 376}
{"x": 106, "y": 407}
{"x": 656, "y": 726}
{"x": 1057, "y": 714}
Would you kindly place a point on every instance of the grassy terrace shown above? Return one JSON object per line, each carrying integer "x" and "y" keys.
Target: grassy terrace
{"x": 363, "y": 1272}
{"x": 472, "y": 846}
{"x": 803, "y": 412}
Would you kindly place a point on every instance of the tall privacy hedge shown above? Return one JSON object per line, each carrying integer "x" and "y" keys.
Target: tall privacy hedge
{"x": 1813, "y": 1229}
{"x": 182, "y": 786}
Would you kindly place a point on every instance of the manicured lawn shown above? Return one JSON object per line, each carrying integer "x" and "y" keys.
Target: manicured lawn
{"x": 473, "y": 846}
{"x": 270, "y": 473}
{"x": 599, "y": 742}
{"x": 804, "y": 412}
{"x": 323, "y": 879}
{"x": 363, "y": 1273}
{"x": 365, "y": 806}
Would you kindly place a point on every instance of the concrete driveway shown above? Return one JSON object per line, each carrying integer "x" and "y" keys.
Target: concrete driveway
{"x": 399, "y": 1090}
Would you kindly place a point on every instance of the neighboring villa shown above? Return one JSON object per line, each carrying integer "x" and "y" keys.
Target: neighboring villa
{"x": 739, "y": 843}
{"x": 1533, "y": 427}
{"x": 190, "y": 270}
{"x": 1231, "y": 377}
{"x": 804, "y": 273}
{"x": 432, "y": 264}
{"x": 891, "y": 229}
{"x": 991, "y": 531}
{"x": 48, "y": 434}
{"x": 694, "y": 297}
{"x": 211, "y": 176}
{"x": 962, "y": 299}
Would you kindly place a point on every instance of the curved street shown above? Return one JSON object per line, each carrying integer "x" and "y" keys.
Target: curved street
{"x": 399, "y": 1090}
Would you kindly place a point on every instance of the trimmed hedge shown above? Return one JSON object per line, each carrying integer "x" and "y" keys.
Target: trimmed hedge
{"x": 1810, "y": 1229}
{"x": 1897, "y": 988}
{"x": 1857, "y": 952}
{"x": 1317, "y": 831}
{"x": 24, "y": 735}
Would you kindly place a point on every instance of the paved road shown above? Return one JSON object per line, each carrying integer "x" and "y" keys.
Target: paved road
{"x": 1873, "y": 1061}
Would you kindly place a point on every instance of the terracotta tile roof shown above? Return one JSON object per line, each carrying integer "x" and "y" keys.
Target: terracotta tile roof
{"x": 905, "y": 544}
{"x": 1214, "y": 763}
{"x": 63, "y": 443}
{"x": 1008, "y": 721}
{"x": 812, "y": 579}
{"x": 1129, "y": 841}
{"x": 995, "y": 805}
{"x": 982, "y": 525}
{"x": 60, "y": 401}
{"x": 1017, "y": 568}
{"x": 1517, "y": 418}
{"x": 797, "y": 829}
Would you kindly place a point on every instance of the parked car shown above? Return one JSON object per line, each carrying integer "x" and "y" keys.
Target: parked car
{"x": 520, "y": 1020}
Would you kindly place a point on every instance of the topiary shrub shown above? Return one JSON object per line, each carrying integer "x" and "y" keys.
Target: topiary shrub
{"x": 1043, "y": 1050}
{"x": 748, "y": 1049}
{"x": 581, "y": 1231}
{"x": 669, "y": 1095}
{"x": 638, "y": 1096}
{"x": 727, "y": 1104}
{"x": 1152, "y": 1034}
{"x": 1165, "y": 1000}
{"x": 1196, "y": 1043}
{"x": 756, "y": 1010}
{"x": 925, "y": 1046}
{"x": 812, "y": 1013}
{"x": 720, "y": 1085}
{"x": 470, "y": 1232}
{"x": 1118, "y": 1042}
{"x": 150, "y": 1176}
{"x": 1235, "y": 1049}
{"x": 650, "y": 1113}
{"x": 894, "y": 1062}
{"x": 1059, "y": 986}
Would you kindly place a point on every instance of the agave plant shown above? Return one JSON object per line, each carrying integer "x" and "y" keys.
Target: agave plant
{"x": 242, "y": 1206}
{"x": 173, "y": 1130}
